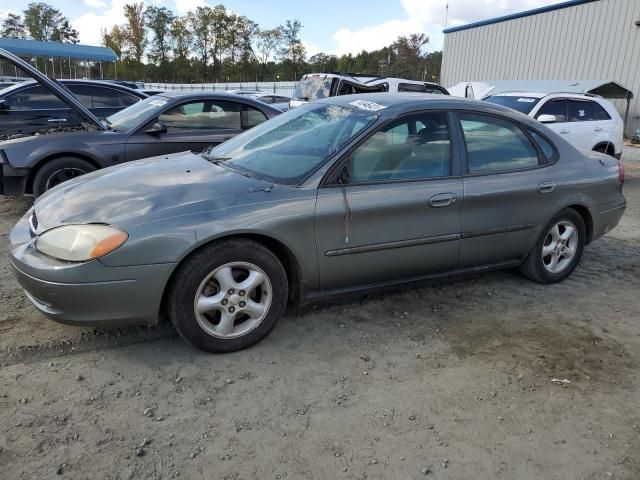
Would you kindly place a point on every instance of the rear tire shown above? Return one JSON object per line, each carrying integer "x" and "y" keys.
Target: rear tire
{"x": 227, "y": 296}
{"x": 558, "y": 250}
{"x": 58, "y": 171}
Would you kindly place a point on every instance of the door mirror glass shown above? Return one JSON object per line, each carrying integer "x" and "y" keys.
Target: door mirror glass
{"x": 547, "y": 119}
{"x": 157, "y": 129}
{"x": 3, "y": 105}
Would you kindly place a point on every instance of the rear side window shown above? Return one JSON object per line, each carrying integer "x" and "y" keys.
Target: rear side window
{"x": 84, "y": 93}
{"x": 496, "y": 145}
{"x": 556, "y": 108}
{"x": 254, "y": 117}
{"x": 416, "y": 87}
{"x": 34, "y": 98}
{"x": 544, "y": 144}
{"x": 581, "y": 111}
{"x": 600, "y": 113}
{"x": 111, "y": 98}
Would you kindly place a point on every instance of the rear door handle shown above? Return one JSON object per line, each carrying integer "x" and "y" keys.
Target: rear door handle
{"x": 598, "y": 129}
{"x": 564, "y": 130}
{"x": 546, "y": 187}
{"x": 442, "y": 200}
{"x": 57, "y": 120}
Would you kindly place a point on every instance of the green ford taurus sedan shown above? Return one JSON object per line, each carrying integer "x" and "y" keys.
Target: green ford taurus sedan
{"x": 339, "y": 195}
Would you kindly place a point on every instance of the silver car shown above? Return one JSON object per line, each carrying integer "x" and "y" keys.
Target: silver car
{"x": 340, "y": 195}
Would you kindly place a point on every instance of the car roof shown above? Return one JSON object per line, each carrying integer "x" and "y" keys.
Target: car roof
{"x": 212, "y": 95}
{"x": 543, "y": 95}
{"x": 393, "y": 104}
{"x": 67, "y": 81}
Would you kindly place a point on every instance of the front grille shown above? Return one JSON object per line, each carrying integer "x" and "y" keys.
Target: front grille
{"x": 33, "y": 224}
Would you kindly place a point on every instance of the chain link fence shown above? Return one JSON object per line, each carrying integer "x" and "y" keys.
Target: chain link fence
{"x": 280, "y": 88}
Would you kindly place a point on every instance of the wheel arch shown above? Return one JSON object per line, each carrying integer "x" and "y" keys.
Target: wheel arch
{"x": 44, "y": 160}
{"x": 606, "y": 147}
{"x": 278, "y": 248}
{"x": 586, "y": 217}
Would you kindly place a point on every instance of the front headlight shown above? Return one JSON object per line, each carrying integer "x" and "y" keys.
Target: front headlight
{"x": 79, "y": 243}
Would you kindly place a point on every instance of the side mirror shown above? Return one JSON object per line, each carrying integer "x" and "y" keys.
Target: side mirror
{"x": 3, "y": 105}
{"x": 547, "y": 119}
{"x": 156, "y": 129}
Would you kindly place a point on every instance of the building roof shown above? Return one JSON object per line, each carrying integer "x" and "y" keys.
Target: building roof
{"x": 604, "y": 88}
{"x": 527, "y": 13}
{"x": 34, "y": 48}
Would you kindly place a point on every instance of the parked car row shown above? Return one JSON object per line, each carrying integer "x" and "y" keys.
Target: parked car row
{"x": 343, "y": 194}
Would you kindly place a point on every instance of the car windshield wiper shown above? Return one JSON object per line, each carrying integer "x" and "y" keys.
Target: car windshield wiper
{"x": 215, "y": 160}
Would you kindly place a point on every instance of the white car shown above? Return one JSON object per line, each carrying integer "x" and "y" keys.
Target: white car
{"x": 587, "y": 121}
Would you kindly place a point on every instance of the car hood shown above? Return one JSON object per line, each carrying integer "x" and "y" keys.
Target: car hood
{"x": 145, "y": 191}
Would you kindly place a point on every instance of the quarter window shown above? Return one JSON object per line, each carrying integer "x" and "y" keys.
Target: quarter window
{"x": 496, "y": 145}
{"x": 416, "y": 147}
{"x": 580, "y": 111}
{"x": 34, "y": 98}
{"x": 556, "y": 108}
{"x": 544, "y": 144}
{"x": 207, "y": 115}
{"x": 600, "y": 113}
{"x": 254, "y": 117}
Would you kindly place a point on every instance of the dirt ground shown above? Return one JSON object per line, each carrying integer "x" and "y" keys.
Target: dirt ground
{"x": 452, "y": 381}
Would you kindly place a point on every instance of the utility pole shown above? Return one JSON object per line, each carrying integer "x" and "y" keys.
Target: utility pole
{"x": 446, "y": 16}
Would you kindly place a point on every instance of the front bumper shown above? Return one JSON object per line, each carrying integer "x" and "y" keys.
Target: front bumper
{"x": 88, "y": 293}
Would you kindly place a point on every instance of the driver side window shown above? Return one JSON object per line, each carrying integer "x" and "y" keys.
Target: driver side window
{"x": 202, "y": 115}
{"x": 418, "y": 146}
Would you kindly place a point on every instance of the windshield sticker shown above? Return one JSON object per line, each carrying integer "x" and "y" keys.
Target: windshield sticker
{"x": 366, "y": 105}
{"x": 158, "y": 103}
{"x": 527, "y": 100}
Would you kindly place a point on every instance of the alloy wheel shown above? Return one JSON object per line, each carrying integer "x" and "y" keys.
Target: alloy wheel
{"x": 233, "y": 300}
{"x": 560, "y": 246}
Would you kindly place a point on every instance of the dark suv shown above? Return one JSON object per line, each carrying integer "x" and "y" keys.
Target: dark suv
{"x": 28, "y": 107}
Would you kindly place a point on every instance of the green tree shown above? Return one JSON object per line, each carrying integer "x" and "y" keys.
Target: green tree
{"x": 13, "y": 27}
{"x": 200, "y": 21}
{"x": 65, "y": 33}
{"x": 293, "y": 51}
{"x": 115, "y": 40}
{"x": 135, "y": 33}
{"x": 159, "y": 20}
{"x": 268, "y": 42}
{"x": 45, "y": 23}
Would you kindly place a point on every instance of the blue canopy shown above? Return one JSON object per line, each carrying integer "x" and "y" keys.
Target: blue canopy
{"x": 35, "y": 48}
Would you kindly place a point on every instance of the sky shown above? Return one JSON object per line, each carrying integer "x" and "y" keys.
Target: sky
{"x": 330, "y": 26}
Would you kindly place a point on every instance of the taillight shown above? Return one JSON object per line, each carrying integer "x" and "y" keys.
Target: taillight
{"x": 620, "y": 172}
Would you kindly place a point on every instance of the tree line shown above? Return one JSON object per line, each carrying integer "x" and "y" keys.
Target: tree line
{"x": 214, "y": 44}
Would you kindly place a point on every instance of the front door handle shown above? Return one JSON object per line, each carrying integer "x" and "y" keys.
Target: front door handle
{"x": 442, "y": 200}
{"x": 598, "y": 129}
{"x": 57, "y": 120}
{"x": 546, "y": 187}
{"x": 564, "y": 130}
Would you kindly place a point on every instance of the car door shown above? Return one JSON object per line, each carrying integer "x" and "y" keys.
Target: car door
{"x": 587, "y": 130}
{"x": 509, "y": 189}
{"x": 33, "y": 108}
{"x": 558, "y": 108}
{"x": 395, "y": 213}
{"x": 191, "y": 125}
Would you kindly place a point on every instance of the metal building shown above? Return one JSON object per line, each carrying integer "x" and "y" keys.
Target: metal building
{"x": 573, "y": 40}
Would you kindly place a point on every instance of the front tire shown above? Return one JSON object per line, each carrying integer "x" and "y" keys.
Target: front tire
{"x": 58, "y": 171}
{"x": 227, "y": 296}
{"x": 558, "y": 250}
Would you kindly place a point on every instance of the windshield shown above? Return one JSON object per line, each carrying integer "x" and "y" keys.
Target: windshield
{"x": 313, "y": 88}
{"x": 290, "y": 146}
{"x": 522, "y": 104}
{"x": 131, "y": 116}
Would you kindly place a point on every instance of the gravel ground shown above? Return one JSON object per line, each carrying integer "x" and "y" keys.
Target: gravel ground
{"x": 452, "y": 381}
